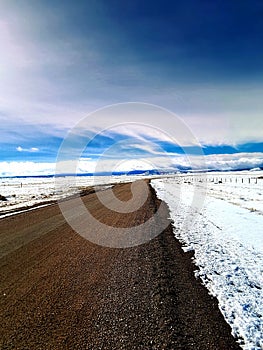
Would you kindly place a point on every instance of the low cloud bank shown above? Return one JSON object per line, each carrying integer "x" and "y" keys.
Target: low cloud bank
{"x": 220, "y": 162}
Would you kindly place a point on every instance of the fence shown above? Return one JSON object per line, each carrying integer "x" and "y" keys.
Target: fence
{"x": 218, "y": 179}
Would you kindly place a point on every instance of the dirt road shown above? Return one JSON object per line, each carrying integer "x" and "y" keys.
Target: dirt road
{"x": 60, "y": 291}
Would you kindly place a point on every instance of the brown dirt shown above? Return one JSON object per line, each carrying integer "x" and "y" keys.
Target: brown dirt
{"x": 59, "y": 291}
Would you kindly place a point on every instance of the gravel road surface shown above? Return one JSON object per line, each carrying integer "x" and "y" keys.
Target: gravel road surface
{"x": 60, "y": 291}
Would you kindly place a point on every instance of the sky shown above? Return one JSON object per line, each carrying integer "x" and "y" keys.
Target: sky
{"x": 64, "y": 62}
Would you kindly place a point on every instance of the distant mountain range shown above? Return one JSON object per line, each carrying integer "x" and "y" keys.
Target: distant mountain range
{"x": 181, "y": 169}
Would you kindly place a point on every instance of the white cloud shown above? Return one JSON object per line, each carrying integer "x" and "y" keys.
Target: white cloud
{"x": 35, "y": 86}
{"x": 26, "y": 168}
{"x": 216, "y": 115}
{"x": 234, "y": 161}
{"x": 31, "y": 150}
{"x": 211, "y": 162}
{"x": 139, "y": 121}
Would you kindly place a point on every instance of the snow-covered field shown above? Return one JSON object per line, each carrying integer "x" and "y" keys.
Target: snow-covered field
{"x": 220, "y": 217}
{"x": 23, "y": 193}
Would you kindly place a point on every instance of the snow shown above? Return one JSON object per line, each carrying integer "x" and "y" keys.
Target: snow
{"x": 23, "y": 193}
{"x": 220, "y": 218}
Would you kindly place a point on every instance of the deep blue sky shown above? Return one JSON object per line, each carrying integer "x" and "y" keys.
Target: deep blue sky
{"x": 61, "y": 60}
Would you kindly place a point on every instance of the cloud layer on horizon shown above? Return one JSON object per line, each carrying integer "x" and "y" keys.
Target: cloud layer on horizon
{"x": 220, "y": 162}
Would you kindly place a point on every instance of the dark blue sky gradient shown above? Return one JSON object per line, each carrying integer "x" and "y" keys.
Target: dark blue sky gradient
{"x": 184, "y": 40}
